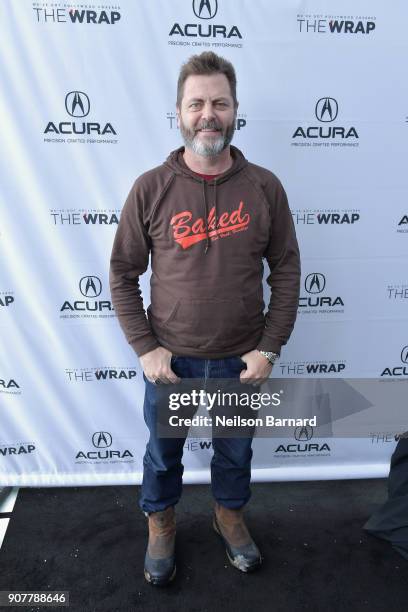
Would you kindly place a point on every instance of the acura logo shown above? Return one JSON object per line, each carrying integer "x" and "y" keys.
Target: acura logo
{"x": 326, "y": 109}
{"x": 77, "y": 104}
{"x": 315, "y": 282}
{"x": 404, "y": 354}
{"x": 304, "y": 433}
{"x": 90, "y": 286}
{"x": 101, "y": 439}
{"x": 205, "y": 9}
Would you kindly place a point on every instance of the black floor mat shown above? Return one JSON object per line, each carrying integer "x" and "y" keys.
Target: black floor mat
{"x": 91, "y": 541}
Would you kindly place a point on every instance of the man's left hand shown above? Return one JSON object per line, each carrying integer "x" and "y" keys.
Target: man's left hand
{"x": 258, "y": 368}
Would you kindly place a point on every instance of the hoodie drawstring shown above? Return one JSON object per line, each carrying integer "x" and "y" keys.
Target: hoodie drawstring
{"x": 215, "y": 203}
{"x": 208, "y": 241}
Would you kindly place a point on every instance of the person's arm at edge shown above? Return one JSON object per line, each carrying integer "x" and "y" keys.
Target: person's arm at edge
{"x": 282, "y": 255}
{"x": 129, "y": 260}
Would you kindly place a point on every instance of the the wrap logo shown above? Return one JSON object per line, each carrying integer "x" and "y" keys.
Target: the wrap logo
{"x": 6, "y": 298}
{"x": 102, "y": 442}
{"x": 384, "y": 437}
{"x": 194, "y": 445}
{"x": 85, "y": 216}
{"x": 90, "y": 288}
{"x": 105, "y": 374}
{"x": 17, "y": 448}
{"x": 315, "y": 284}
{"x": 397, "y": 292}
{"x": 310, "y": 368}
{"x": 78, "y": 106}
{"x": 327, "y": 217}
{"x": 335, "y": 24}
{"x": 77, "y": 15}
{"x": 326, "y": 111}
{"x": 398, "y": 370}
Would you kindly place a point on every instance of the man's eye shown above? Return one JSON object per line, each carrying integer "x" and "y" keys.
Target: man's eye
{"x": 194, "y": 105}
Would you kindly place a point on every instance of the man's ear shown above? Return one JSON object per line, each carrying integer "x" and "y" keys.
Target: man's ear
{"x": 178, "y": 115}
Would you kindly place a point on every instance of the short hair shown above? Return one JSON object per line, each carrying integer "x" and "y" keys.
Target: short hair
{"x": 205, "y": 64}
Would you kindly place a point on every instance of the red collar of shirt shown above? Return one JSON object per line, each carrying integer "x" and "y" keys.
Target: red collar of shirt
{"x": 207, "y": 177}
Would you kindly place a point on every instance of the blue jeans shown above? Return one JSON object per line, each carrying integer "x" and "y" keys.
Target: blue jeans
{"x": 162, "y": 466}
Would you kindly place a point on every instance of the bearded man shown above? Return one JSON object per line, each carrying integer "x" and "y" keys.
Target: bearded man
{"x": 208, "y": 218}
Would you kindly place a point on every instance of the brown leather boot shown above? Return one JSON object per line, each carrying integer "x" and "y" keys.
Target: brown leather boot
{"x": 241, "y": 550}
{"x": 160, "y": 563}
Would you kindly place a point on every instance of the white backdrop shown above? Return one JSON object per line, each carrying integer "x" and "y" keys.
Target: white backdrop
{"x": 87, "y": 104}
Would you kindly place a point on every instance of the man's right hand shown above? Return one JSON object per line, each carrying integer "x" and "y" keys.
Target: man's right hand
{"x": 156, "y": 365}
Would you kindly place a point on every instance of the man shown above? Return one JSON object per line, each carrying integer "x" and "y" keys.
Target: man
{"x": 207, "y": 217}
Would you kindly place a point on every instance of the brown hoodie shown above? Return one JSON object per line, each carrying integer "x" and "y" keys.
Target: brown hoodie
{"x": 206, "y": 240}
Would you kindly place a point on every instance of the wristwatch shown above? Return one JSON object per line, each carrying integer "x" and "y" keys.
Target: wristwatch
{"x": 271, "y": 357}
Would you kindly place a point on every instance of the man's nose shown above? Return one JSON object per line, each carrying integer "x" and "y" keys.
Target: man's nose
{"x": 208, "y": 111}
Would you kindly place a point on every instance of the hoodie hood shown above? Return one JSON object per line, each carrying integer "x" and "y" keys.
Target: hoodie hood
{"x": 175, "y": 162}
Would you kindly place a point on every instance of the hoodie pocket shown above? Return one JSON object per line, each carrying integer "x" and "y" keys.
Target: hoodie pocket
{"x": 203, "y": 323}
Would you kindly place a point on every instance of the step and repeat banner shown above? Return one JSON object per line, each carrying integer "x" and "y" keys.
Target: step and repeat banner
{"x": 87, "y": 104}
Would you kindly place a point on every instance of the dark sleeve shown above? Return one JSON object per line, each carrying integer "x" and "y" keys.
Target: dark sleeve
{"x": 129, "y": 260}
{"x": 282, "y": 255}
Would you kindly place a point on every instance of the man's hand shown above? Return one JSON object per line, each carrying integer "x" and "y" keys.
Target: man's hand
{"x": 156, "y": 366}
{"x": 258, "y": 368}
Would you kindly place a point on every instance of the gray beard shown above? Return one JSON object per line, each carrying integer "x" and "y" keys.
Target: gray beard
{"x": 210, "y": 149}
